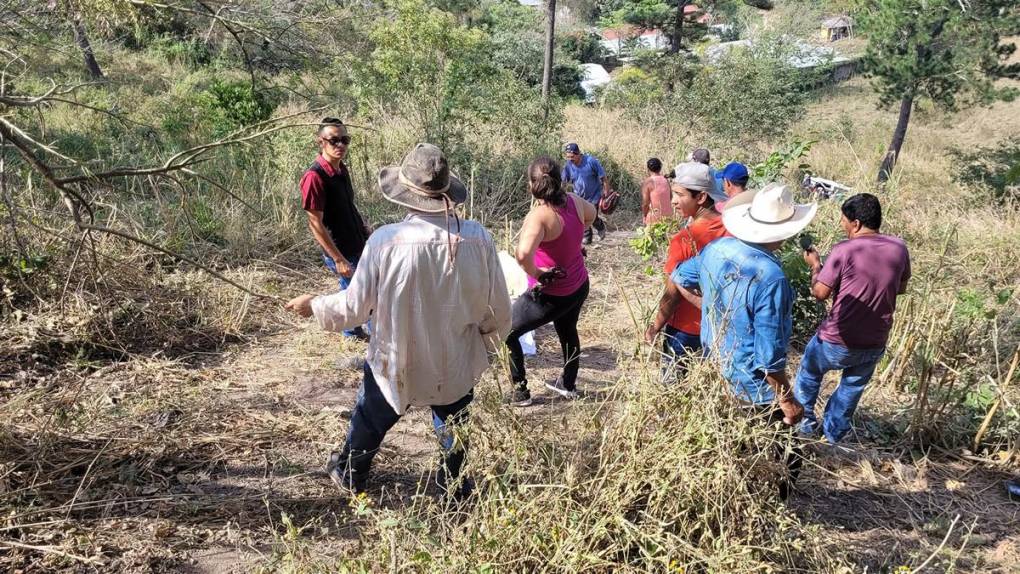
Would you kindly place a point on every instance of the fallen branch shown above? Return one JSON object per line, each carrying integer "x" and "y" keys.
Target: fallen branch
{"x": 940, "y": 547}
{"x": 51, "y": 550}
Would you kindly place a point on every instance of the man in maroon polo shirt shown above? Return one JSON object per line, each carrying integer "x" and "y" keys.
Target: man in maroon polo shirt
{"x": 328, "y": 197}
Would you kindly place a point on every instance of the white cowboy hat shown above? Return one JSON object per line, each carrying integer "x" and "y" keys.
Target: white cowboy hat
{"x": 767, "y": 215}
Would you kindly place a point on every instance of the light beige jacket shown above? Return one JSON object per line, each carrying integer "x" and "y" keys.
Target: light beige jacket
{"x": 430, "y": 319}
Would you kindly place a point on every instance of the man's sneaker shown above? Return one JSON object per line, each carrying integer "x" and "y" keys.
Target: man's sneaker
{"x": 561, "y": 390}
{"x": 359, "y": 333}
{"x": 342, "y": 475}
{"x": 519, "y": 397}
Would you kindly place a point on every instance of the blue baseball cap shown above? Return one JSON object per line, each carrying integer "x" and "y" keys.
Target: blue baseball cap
{"x": 736, "y": 173}
{"x": 571, "y": 148}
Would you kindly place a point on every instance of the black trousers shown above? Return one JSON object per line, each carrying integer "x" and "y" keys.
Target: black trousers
{"x": 534, "y": 309}
{"x": 598, "y": 224}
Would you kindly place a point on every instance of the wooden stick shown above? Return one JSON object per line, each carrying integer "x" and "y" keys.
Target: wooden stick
{"x": 939, "y": 549}
{"x": 51, "y": 550}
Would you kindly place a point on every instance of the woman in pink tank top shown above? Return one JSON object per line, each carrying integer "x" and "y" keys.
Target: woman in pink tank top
{"x": 655, "y": 194}
{"x": 550, "y": 252}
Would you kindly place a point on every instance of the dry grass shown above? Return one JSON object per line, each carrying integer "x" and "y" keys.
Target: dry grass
{"x": 189, "y": 439}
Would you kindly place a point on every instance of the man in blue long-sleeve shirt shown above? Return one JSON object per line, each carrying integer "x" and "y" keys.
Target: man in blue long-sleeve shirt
{"x": 746, "y": 300}
{"x": 747, "y": 303}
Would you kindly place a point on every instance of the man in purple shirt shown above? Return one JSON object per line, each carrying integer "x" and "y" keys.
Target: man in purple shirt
{"x": 863, "y": 274}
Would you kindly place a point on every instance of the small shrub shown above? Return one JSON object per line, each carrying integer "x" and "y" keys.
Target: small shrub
{"x": 996, "y": 168}
{"x": 238, "y": 104}
{"x": 192, "y": 52}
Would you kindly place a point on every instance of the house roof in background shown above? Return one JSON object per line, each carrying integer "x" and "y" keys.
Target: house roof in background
{"x": 627, "y": 32}
{"x": 838, "y": 22}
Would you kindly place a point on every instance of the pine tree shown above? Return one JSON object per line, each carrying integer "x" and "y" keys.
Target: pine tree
{"x": 948, "y": 51}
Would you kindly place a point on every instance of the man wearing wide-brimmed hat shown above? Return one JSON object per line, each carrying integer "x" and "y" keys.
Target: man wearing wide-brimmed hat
{"x": 747, "y": 305}
{"x": 746, "y": 300}
{"x": 438, "y": 300}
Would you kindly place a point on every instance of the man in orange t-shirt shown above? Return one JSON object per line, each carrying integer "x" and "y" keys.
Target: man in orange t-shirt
{"x": 690, "y": 198}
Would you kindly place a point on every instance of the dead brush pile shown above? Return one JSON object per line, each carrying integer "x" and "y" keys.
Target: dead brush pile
{"x": 672, "y": 479}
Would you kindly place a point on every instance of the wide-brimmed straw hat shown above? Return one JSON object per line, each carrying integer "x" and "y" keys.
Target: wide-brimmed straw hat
{"x": 423, "y": 181}
{"x": 767, "y": 215}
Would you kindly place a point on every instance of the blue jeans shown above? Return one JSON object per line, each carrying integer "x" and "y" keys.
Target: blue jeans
{"x": 821, "y": 357}
{"x": 373, "y": 417}
{"x": 344, "y": 283}
{"x": 676, "y": 345}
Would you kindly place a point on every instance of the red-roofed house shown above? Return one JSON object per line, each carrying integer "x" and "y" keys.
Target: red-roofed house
{"x": 616, "y": 40}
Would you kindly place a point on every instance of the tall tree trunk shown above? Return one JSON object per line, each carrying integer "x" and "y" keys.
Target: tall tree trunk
{"x": 676, "y": 37}
{"x": 550, "y": 32}
{"x": 82, "y": 39}
{"x": 885, "y": 172}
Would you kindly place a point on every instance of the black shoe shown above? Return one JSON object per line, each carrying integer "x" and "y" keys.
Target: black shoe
{"x": 465, "y": 487}
{"x": 341, "y": 474}
{"x": 360, "y": 334}
{"x": 520, "y": 397}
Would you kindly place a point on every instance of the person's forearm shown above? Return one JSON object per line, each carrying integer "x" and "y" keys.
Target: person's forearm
{"x": 325, "y": 241}
{"x": 691, "y": 297}
{"x": 779, "y": 383}
{"x": 815, "y": 270}
{"x": 527, "y": 263}
{"x": 667, "y": 306}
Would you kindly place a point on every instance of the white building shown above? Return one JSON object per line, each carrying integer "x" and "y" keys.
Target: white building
{"x": 618, "y": 41}
{"x": 594, "y": 76}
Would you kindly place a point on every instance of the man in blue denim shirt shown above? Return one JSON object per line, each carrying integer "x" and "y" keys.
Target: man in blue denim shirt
{"x": 746, "y": 300}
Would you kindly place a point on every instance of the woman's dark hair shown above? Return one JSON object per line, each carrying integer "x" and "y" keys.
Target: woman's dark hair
{"x": 654, "y": 165}
{"x": 326, "y": 122}
{"x": 865, "y": 208}
{"x": 544, "y": 179}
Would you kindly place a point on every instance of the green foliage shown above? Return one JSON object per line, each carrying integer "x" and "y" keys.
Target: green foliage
{"x": 191, "y": 52}
{"x": 939, "y": 50}
{"x": 440, "y": 74}
{"x": 652, "y": 240}
{"x": 582, "y": 46}
{"x": 633, "y": 88}
{"x": 995, "y": 168}
{"x": 808, "y": 312}
{"x": 237, "y": 104}
{"x": 777, "y": 162}
{"x": 517, "y": 43}
{"x": 743, "y": 96}
{"x": 13, "y": 265}
{"x": 648, "y": 14}
{"x": 749, "y": 94}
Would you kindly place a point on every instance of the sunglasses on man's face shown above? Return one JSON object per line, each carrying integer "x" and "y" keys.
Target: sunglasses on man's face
{"x": 336, "y": 141}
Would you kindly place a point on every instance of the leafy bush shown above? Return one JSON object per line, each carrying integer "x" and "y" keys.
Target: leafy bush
{"x": 777, "y": 162}
{"x": 237, "y": 104}
{"x": 995, "y": 168}
{"x": 652, "y": 240}
{"x": 583, "y": 46}
{"x": 191, "y": 52}
{"x": 742, "y": 96}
